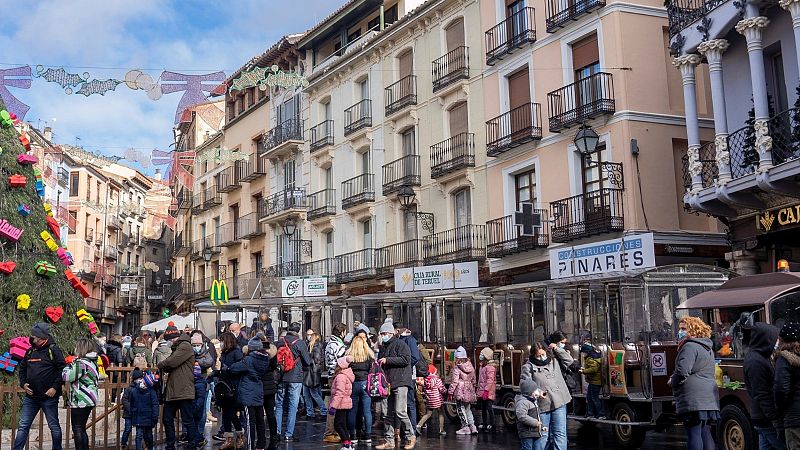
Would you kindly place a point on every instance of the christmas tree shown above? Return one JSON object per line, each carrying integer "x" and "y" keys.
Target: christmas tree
{"x": 36, "y": 285}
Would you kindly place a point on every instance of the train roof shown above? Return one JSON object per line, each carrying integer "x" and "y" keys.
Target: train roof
{"x": 749, "y": 290}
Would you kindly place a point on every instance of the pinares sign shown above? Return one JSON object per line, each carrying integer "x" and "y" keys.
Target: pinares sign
{"x": 612, "y": 256}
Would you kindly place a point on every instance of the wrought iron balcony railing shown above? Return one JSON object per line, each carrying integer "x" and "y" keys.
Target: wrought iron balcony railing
{"x": 465, "y": 243}
{"x": 357, "y": 117}
{"x": 249, "y": 226}
{"x": 588, "y": 214}
{"x": 227, "y": 180}
{"x": 283, "y": 201}
{"x": 211, "y": 198}
{"x": 327, "y": 267}
{"x": 285, "y": 269}
{"x": 401, "y": 172}
{"x": 559, "y": 13}
{"x": 358, "y": 190}
{"x": 744, "y": 156}
{"x": 785, "y": 131}
{"x": 512, "y": 129}
{"x": 253, "y": 168}
{"x": 453, "y": 154}
{"x": 708, "y": 162}
{"x": 321, "y": 204}
{"x": 114, "y": 222}
{"x": 397, "y": 256}
{"x": 506, "y": 238}
{"x": 288, "y": 131}
{"x": 321, "y": 135}
{"x": 94, "y": 305}
{"x": 451, "y": 67}
{"x": 401, "y": 94}
{"x": 182, "y": 246}
{"x": 510, "y": 34}
{"x": 198, "y": 203}
{"x": 110, "y": 252}
{"x": 354, "y": 266}
{"x": 580, "y": 101}
{"x": 183, "y": 201}
{"x": 682, "y": 13}
{"x": 228, "y": 234}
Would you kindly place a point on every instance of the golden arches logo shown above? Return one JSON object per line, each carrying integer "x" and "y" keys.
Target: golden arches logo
{"x": 219, "y": 292}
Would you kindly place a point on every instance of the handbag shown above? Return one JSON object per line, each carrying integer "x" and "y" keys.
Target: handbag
{"x": 312, "y": 377}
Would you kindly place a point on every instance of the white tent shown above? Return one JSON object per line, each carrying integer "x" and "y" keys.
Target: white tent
{"x": 179, "y": 320}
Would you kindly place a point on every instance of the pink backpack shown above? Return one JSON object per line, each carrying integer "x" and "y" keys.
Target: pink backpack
{"x": 377, "y": 384}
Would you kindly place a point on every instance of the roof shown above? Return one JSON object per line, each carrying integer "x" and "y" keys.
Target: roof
{"x": 315, "y": 30}
{"x": 745, "y": 291}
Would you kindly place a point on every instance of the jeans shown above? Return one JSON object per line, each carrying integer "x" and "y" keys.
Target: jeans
{"x": 340, "y": 425}
{"x": 362, "y": 404}
{"x": 258, "y": 434}
{"x": 768, "y": 439}
{"x": 412, "y": 405}
{"x": 292, "y": 391}
{"x": 541, "y": 443}
{"x": 146, "y": 434}
{"x": 30, "y": 407}
{"x": 529, "y": 443}
{"x": 428, "y": 414}
{"x": 79, "y": 417}
{"x": 313, "y": 396}
{"x": 594, "y": 407}
{"x": 557, "y": 430}
{"x": 199, "y": 406}
{"x": 398, "y": 409}
{"x": 126, "y": 432}
{"x": 699, "y": 435}
{"x": 487, "y": 413}
{"x": 187, "y": 419}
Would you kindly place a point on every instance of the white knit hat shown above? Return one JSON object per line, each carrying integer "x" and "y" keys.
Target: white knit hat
{"x": 461, "y": 352}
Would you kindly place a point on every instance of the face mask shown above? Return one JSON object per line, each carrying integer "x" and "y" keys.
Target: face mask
{"x": 141, "y": 384}
{"x": 197, "y": 349}
{"x": 681, "y": 335}
{"x": 542, "y": 358}
{"x": 561, "y": 345}
{"x": 309, "y": 338}
{"x": 386, "y": 338}
{"x": 126, "y": 344}
{"x": 481, "y": 357}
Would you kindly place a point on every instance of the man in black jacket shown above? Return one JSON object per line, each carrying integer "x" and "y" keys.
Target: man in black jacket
{"x": 396, "y": 362}
{"x": 759, "y": 375}
{"x": 291, "y": 383}
{"x": 40, "y": 377}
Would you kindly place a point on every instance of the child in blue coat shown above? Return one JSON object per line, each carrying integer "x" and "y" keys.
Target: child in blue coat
{"x": 143, "y": 407}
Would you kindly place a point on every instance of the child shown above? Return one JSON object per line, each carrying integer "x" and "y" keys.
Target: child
{"x": 526, "y": 407}
{"x": 591, "y": 370}
{"x": 143, "y": 407}
{"x": 341, "y": 398}
{"x": 462, "y": 389}
{"x": 126, "y": 415}
{"x": 434, "y": 390}
{"x": 487, "y": 383}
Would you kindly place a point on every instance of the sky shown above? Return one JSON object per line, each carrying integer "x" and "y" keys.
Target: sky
{"x": 108, "y": 38}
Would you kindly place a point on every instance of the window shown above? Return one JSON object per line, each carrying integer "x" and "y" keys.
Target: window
{"x": 458, "y": 119}
{"x": 776, "y": 86}
{"x": 251, "y": 97}
{"x": 410, "y": 222}
{"x": 525, "y": 188}
{"x": 592, "y": 177}
{"x": 408, "y": 144}
{"x": 454, "y": 35}
{"x": 363, "y": 88}
{"x": 365, "y": 163}
{"x": 390, "y": 15}
{"x": 89, "y": 185}
{"x": 406, "y": 64}
{"x": 519, "y": 89}
{"x": 518, "y": 24}
{"x": 217, "y": 234}
{"x": 74, "y": 183}
{"x": 328, "y": 177}
{"x": 366, "y": 232}
{"x": 288, "y": 175}
{"x": 353, "y": 35}
{"x": 374, "y": 24}
{"x": 328, "y": 239}
{"x": 258, "y": 262}
{"x": 462, "y": 208}
{"x": 326, "y": 110}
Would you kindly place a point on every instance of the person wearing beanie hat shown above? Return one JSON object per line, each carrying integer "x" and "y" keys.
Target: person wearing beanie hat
{"x": 787, "y": 372}
{"x": 342, "y": 398}
{"x": 530, "y": 428}
{"x": 759, "y": 377}
{"x": 39, "y": 375}
{"x": 434, "y": 389}
{"x": 462, "y": 390}
{"x": 170, "y": 334}
{"x": 544, "y": 367}
{"x": 404, "y": 334}
{"x": 203, "y": 361}
{"x": 251, "y": 371}
{"x": 592, "y": 371}
{"x": 178, "y": 368}
{"x": 312, "y": 378}
{"x": 487, "y": 385}
{"x": 396, "y": 362}
{"x": 334, "y": 350}
{"x": 291, "y": 386}
{"x": 140, "y": 403}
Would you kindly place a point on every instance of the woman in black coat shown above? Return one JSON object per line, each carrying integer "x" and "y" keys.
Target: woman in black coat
{"x": 230, "y": 355}
{"x": 787, "y": 383}
{"x": 270, "y": 390}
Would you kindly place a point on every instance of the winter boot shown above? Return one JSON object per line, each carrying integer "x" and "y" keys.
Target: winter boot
{"x": 240, "y": 439}
{"x": 230, "y": 442}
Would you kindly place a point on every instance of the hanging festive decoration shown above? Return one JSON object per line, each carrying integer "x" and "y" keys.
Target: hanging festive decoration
{"x": 8, "y": 363}
{"x": 52, "y": 223}
{"x": 5, "y": 119}
{"x": 45, "y": 269}
{"x": 17, "y": 180}
{"x": 267, "y": 77}
{"x": 24, "y": 210}
{"x": 25, "y": 141}
{"x": 192, "y": 86}
{"x": 98, "y": 87}
{"x": 39, "y": 183}
{"x": 222, "y": 154}
{"x": 48, "y": 209}
{"x": 7, "y": 267}
{"x": 65, "y": 257}
{"x": 18, "y": 347}
{"x": 76, "y": 283}
{"x": 25, "y": 159}
{"x": 23, "y": 302}
{"x": 16, "y": 77}
{"x": 93, "y": 330}
{"x": 54, "y": 313}
{"x": 61, "y": 77}
{"x": 137, "y": 80}
{"x": 9, "y": 231}
{"x": 175, "y": 162}
{"x": 84, "y": 316}
{"x": 48, "y": 239}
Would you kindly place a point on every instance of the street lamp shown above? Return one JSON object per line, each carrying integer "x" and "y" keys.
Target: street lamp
{"x": 407, "y": 199}
{"x": 586, "y": 141}
{"x": 406, "y": 196}
{"x": 207, "y": 254}
{"x": 289, "y": 227}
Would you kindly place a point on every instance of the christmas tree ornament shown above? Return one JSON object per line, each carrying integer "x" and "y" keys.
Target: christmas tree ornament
{"x": 69, "y": 359}
{"x": 24, "y": 210}
{"x": 92, "y": 328}
{"x": 9, "y": 231}
{"x": 48, "y": 239}
{"x": 65, "y": 257}
{"x": 5, "y": 119}
{"x": 18, "y": 347}
{"x": 23, "y": 302}
{"x": 52, "y": 223}
{"x": 23, "y": 139}
{"x": 45, "y": 269}
{"x": 7, "y": 267}
{"x": 84, "y": 316}
{"x": 27, "y": 160}
{"x": 7, "y": 363}
{"x": 54, "y": 313}
{"x": 39, "y": 188}
{"x": 48, "y": 210}
{"x": 17, "y": 181}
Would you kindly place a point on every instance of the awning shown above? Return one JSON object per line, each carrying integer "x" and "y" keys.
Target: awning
{"x": 751, "y": 290}
{"x": 179, "y": 320}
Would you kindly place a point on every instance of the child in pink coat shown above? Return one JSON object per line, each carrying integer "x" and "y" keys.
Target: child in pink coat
{"x": 341, "y": 398}
{"x": 462, "y": 390}
{"x": 487, "y": 383}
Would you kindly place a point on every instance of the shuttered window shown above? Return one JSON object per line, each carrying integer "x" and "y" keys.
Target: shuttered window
{"x": 519, "y": 89}
{"x": 455, "y": 35}
{"x": 406, "y": 61}
{"x": 458, "y": 119}
{"x": 585, "y": 52}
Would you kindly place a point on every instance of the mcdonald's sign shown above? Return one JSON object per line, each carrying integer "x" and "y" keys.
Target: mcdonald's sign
{"x": 219, "y": 293}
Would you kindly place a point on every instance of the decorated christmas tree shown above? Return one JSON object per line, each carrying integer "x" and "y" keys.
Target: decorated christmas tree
{"x": 36, "y": 283}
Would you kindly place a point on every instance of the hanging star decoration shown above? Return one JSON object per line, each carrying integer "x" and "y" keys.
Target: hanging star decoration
{"x": 192, "y": 86}
{"x": 98, "y": 87}
{"x": 61, "y": 77}
{"x": 16, "y": 77}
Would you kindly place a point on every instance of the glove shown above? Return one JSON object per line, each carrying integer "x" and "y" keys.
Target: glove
{"x": 331, "y": 411}
{"x": 485, "y": 395}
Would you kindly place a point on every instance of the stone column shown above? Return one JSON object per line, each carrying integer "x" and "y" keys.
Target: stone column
{"x": 752, "y": 28}
{"x": 713, "y": 51}
{"x": 686, "y": 64}
{"x": 793, "y": 6}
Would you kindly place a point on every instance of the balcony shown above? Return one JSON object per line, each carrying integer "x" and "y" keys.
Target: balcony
{"x": 453, "y": 154}
{"x": 560, "y": 13}
{"x": 358, "y": 190}
{"x": 321, "y": 135}
{"x": 321, "y": 204}
{"x": 401, "y": 172}
{"x": 94, "y": 305}
{"x": 510, "y": 34}
{"x": 285, "y": 269}
{"x": 683, "y": 13}
{"x": 708, "y": 161}
{"x": 227, "y": 180}
{"x": 250, "y": 227}
{"x": 183, "y": 200}
{"x": 358, "y": 117}
{"x": 198, "y": 204}
{"x": 398, "y": 256}
{"x": 182, "y": 247}
{"x": 401, "y": 95}
{"x": 114, "y": 222}
{"x": 450, "y": 68}
{"x": 228, "y": 234}
{"x": 589, "y": 214}
{"x": 355, "y": 266}
{"x": 89, "y": 270}
{"x": 580, "y": 101}
{"x": 321, "y": 268}
{"x": 211, "y": 198}
{"x": 512, "y": 129}
{"x": 252, "y": 169}
{"x": 281, "y": 205}
{"x": 283, "y": 139}
{"x": 506, "y": 238}
{"x": 465, "y": 243}
{"x": 63, "y": 177}
{"x": 109, "y": 282}
{"x": 110, "y": 252}
{"x": 201, "y": 246}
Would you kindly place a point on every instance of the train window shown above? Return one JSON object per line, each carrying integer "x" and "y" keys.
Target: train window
{"x": 454, "y": 330}
{"x": 481, "y": 323}
{"x": 538, "y": 299}
{"x": 428, "y": 323}
{"x": 633, "y": 324}
{"x": 501, "y": 325}
{"x": 566, "y": 306}
{"x": 373, "y": 315}
{"x": 614, "y": 316}
{"x": 728, "y": 338}
{"x": 785, "y": 307}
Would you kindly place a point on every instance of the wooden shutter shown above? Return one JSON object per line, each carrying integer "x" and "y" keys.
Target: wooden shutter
{"x": 406, "y": 64}
{"x": 458, "y": 119}
{"x": 519, "y": 89}
{"x": 455, "y": 35}
{"x": 585, "y": 52}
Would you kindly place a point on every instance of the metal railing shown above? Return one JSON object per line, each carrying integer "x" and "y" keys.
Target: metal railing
{"x": 682, "y": 13}
{"x": 254, "y": 167}
{"x": 465, "y": 243}
{"x": 506, "y": 238}
{"x": 560, "y": 12}
{"x": 289, "y": 130}
{"x": 514, "y": 128}
{"x": 708, "y": 162}
{"x": 321, "y": 203}
{"x": 183, "y": 200}
{"x": 513, "y": 32}
{"x": 584, "y": 215}
{"x": 358, "y": 265}
{"x": 182, "y": 247}
{"x": 283, "y": 201}
{"x": 357, "y": 117}
{"x": 582, "y": 100}
{"x": 249, "y": 226}
{"x": 227, "y": 180}
{"x": 285, "y": 269}
{"x": 785, "y": 131}
{"x": 401, "y": 94}
{"x": 198, "y": 203}
{"x": 327, "y": 267}
{"x": 321, "y": 135}
{"x": 114, "y": 222}
{"x": 358, "y": 190}
{"x": 228, "y": 234}
{"x": 63, "y": 177}
{"x": 453, "y": 154}
{"x": 94, "y": 304}
{"x": 451, "y": 67}
{"x": 744, "y": 156}
{"x": 211, "y": 198}
{"x": 400, "y": 255}
{"x": 110, "y": 251}
{"x": 401, "y": 172}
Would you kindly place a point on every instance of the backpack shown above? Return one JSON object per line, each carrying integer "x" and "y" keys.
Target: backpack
{"x": 224, "y": 393}
{"x": 285, "y": 357}
{"x": 377, "y": 384}
{"x": 140, "y": 361}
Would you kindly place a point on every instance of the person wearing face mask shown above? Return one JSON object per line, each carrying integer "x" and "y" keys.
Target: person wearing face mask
{"x": 312, "y": 378}
{"x": 333, "y": 351}
{"x": 544, "y": 368}
{"x": 178, "y": 369}
{"x": 568, "y": 369}
{"x": 693, "y": 384}
{"x": 139, "y": 355}
{"x": 487, "y": 385}
{"x": 39, "y": 375}
{"x": 203, "y": 361}
{"x": 396, "y": 361}
{"x": 759, "y": 374}
{"x": 787, "y": 377}
{"x": 528, "y": 405}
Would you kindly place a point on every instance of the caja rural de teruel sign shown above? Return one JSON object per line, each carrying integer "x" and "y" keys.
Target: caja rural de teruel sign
{"x": 778, "y": 219}
{"x": 614, "y": 255}
{"x": 443, "y": 276}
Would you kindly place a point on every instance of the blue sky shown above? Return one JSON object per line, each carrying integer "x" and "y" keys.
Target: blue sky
{"x": 151, "y": 35}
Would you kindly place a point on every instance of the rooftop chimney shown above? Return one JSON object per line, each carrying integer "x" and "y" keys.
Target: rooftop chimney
{"x": 48, "y": 133}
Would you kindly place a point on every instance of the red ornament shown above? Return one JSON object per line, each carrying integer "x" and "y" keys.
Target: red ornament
{"x": 54, "y": 313}
{"x": 7, "y": 267}
{"x": 23, "y": 139}
{"x": 17, "y": 180}
{"x": 53, "y": 225}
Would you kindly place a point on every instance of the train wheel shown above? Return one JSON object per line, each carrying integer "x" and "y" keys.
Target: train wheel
{"x": 627, "y": 436}
{"x": 734, "y": 431}
{"x": 451, "y": 412}
{"x": 509, "y": 418}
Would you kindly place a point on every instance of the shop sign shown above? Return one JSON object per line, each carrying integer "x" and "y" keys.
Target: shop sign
{"x": 443, "y": 276}
{"x": 778, "y": 219}
{"x": 304, "y": 287}
{"x": 614, "y": 255}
